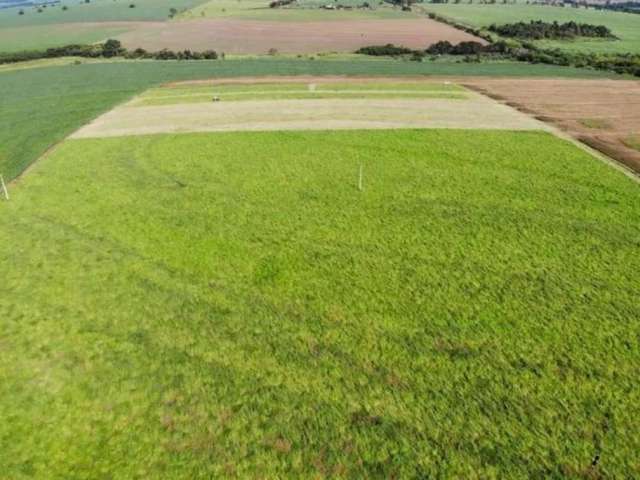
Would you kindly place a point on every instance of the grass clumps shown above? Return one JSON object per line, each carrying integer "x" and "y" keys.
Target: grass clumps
{"x": 633, "y": 142}
{"x": 596, "y": 123}
{"x": 232, "y": 305}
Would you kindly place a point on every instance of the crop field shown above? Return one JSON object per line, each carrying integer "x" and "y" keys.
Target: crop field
{"x": 199, "y": 92}
{"x": 315, "y": 105}
{"x": 39, "y": 37}
{"x": 626, "y": 26}
{"x": 94, "y": 11}
{"x": 233, "y": 305}
{"x": 303, "y": 10}
{"x": 603, "y": 114}
{"x": 41, "y": 106}
{"x": 240, "y": 36}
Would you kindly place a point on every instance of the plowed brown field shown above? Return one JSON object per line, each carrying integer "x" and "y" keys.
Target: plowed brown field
{"x": 258, "y": 37}
{"x": 601, "y": 113}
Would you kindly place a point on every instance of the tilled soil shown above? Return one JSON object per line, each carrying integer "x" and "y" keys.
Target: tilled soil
{"x": 600, "y": 113}
{"x": 259, "y": 37}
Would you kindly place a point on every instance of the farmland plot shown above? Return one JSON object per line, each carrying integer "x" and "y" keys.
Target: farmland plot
{"x": 233, "y": 305}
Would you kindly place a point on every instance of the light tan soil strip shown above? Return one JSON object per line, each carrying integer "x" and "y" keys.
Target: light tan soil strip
{"x": 475, "y": 113}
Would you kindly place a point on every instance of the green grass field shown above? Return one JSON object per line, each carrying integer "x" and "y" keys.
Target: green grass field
{"x": 181, "y": 94}
{"x": 95, "y": 11}
{"x": 626, "y": 26}
{"x": 302, "y": 11}
{"x": 41, "y": 106}
{"x": 232, "y": 306}
{"x": 39, "y": 37}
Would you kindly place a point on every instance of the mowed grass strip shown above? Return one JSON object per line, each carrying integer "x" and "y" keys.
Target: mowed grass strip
{"x": 177, "y": 94}
{"x": 299, "y": 11}
{"x": 232, "y": 305}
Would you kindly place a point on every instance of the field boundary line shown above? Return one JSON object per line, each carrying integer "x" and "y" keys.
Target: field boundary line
{"x": 51, "y": 148}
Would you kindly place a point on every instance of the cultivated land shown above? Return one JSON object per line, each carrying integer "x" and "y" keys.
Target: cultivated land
{"x": 303, "y": 10}
{"x": 602, "y": 114}
{"x": 320, "y": 105}
{"x": 231, "y": 305}
{"x": 239, "y": 27}
{"x": 40, "y": 37}
{"x": 259, "y": 37}
{"x": 626, "y": 26}
{"x": 41, "y": 106}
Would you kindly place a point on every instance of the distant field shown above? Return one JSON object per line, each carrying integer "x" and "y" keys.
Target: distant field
{"x": 259, "y": 37}
{"x": 95, "y": 11}
{"x": 302, "y": 11}
{"x": 41, "y": 37}
{"x": 626, "y": 26}
{"x": 231, "y": 305}
{"x": 203, "y": 93}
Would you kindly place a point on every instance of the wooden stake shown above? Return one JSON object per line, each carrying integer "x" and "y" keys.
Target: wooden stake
{"x": 360, "y": 179}
{"x": 4, "y": 188}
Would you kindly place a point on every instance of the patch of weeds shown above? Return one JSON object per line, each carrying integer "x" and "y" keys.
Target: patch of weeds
{"x": 595, "y": 123}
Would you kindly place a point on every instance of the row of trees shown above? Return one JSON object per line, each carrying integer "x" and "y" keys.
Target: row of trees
{"x": 522, "y": 52}
{"x": 538, "y": 30}
{"x": 440, "y": 48}
{"x": 109, "y": 49}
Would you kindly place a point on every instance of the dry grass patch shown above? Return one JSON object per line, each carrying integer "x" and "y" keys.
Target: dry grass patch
{"x": 312, "y": 104}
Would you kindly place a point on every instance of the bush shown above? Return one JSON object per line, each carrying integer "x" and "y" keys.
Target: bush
{"x": 111, "y": 48}
{"x": 384, "y": 50}
{"x": 538, "y": 30}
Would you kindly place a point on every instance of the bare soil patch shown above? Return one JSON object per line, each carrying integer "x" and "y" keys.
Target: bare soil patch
{"x": 259, "y": 37}
{"x": 477, "y": 112}
{"x": 577, "y": 107}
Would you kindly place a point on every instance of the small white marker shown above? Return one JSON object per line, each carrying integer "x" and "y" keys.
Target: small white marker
{"x": 360, "y": 179}
{"x": 4, "y": 188}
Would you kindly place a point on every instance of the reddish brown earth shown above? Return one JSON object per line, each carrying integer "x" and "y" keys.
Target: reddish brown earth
{"x": 601, "y": 113}
{"x": 258, "y": 37}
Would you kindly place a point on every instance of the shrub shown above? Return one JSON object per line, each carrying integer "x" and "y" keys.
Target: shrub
{"x": 384, "y": 50}
{"x": 538, "y": 30}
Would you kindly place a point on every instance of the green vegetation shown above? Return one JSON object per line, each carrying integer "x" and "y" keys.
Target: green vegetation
{"x": 181, "y": 94}
{"x": 41, "y": 106}
{"x": 625, "y": 26}
{"x": 42, "y": 37}
{"x": 302, "y": 11}
{"x": 230, "y": 305}
{"x": 633, "y": 142}
{"x": 597, "y": 123}
{"x": 94, "y": 11}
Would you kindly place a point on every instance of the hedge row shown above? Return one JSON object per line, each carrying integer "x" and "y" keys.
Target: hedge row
{"x": 619, "y": 63}
{"x": 109, "y": 49}
{"x": 538, "y": 30}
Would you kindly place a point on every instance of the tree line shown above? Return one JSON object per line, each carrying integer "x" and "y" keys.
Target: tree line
{"x": 108, "y": 49}
{"x": 538, "y": 30}
{"x": 626, "y": 63}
